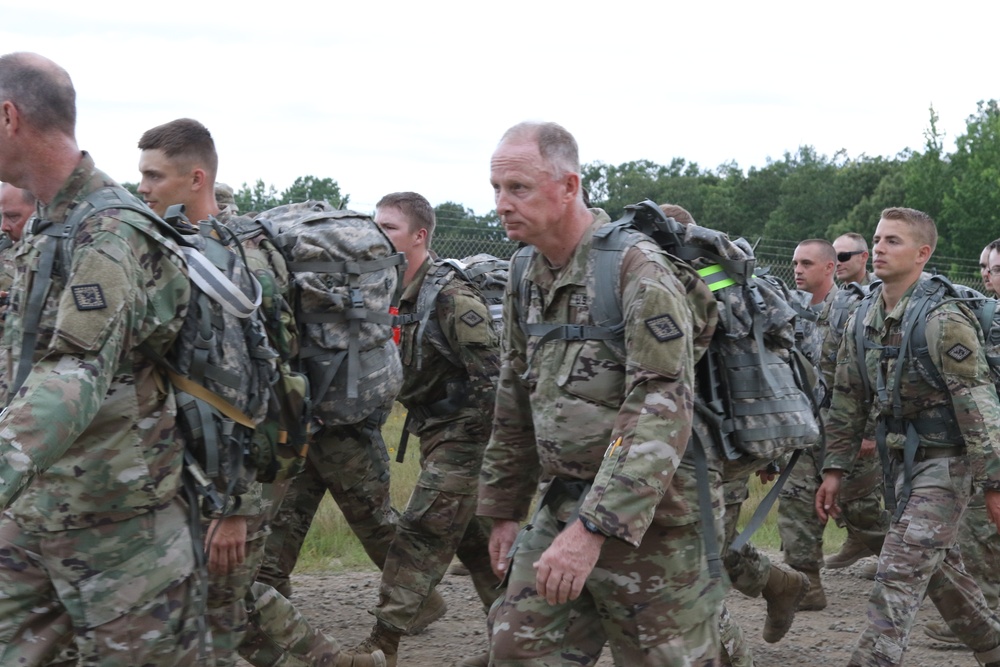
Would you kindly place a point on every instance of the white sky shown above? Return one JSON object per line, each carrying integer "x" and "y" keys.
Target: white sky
{"x": 386, "y": 96}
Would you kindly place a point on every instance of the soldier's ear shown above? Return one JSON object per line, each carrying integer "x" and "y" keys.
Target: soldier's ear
{"x": 198, "y": 178}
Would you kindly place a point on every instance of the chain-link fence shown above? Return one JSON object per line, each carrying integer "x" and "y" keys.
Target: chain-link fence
{"x": 772, "y": 254}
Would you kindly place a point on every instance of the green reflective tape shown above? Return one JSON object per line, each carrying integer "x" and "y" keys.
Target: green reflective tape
{"x": 715, "y": 277}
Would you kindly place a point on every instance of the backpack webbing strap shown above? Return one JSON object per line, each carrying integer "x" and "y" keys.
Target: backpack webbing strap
{"x": 348, "y": 315}
{"x": 211, "y": 398}
{"x": 705, "y": 514}
{"x": 219, "y": 288}
{"x": 759, "y": 514}
{"x": 347, "y": 266}
{"x": 715, "y": 277}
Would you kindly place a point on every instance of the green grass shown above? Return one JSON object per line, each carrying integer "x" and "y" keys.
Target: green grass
{"x": 767, "y": 535}
{"x": 330, "y": 545}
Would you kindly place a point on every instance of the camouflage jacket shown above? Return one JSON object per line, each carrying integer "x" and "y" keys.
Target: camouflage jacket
{"x": 90, "y": 438}
{"x": 578, "y": 412}
{"x": 956, "y": 349}
{"x": 461, "y": 320}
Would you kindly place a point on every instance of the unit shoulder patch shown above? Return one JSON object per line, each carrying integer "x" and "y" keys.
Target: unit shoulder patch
{"x": 959, "y": 352}
{"x": 472, "y": 318}
{"x": 664, "y": 328}
{"x": 89, "y": 297}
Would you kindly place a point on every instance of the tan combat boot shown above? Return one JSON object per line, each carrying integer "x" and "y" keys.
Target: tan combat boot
{"x": 383, "y": 640}
{"x": 939, "y": 631}
{"x": 782, "y": 592}
{"x": 850, "y": 553}
{"x": 815, "y": 598}
{"x": 434, "y": 607}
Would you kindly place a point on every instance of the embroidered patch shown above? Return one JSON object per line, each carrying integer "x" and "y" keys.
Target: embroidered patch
{"x": 959, "y": 352}
{"x": 663, "y": 328}
{"x": 472, "y": 318}
{"x": 88, "y": 297}
{"x": 578, "y": 300}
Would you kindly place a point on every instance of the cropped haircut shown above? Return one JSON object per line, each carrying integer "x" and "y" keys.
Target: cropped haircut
{"x": 555, "y": 144}
{"x": 186, "y": 140}
{"x": 678, "y": 213}
{"x": 415, "y": 207}
{"x": 857, "y": 239}
{"x": 922, "y": 224}
{"x": 829, "y": 254}
{"x": 26, "y": 195}
{"x": 993, "y": 245}
{"x": 41, "y": 91}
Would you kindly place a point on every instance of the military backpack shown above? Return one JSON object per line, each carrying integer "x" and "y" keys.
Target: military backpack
{"x": 220, "y": 365}
{"x": 345, "y": 271}
{"x": 488, "y": 274}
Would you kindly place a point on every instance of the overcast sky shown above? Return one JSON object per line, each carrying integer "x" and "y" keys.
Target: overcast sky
{"x": 386, "y": 96}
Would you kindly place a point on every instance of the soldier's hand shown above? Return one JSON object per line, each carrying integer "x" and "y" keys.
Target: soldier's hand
{"x": 564, "y": 567}
{"x": 826, "y": 495}
{"x": 766, "y": 475}
{"x": 993, "y": 507}
{"x": 501, "y": 540}
{"x": 867, "y": 448}
{"x": 226, "y": 542}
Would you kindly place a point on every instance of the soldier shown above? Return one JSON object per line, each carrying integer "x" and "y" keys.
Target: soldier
{"x": 93, "y": 534}
{"x": 178, "y": 164}
{"x": 979, "y": 542}
{"x": 750, "y": 570}
{"x": 449, "y": 388}
{"x": 621, "y": 499}
{"x": 16, "y": 208}
{"x": 943, "y": 443}
{"x": 852, "y": 259}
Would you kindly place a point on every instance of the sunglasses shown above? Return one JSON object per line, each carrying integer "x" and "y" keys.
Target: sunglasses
{"x": 844, "y": 256}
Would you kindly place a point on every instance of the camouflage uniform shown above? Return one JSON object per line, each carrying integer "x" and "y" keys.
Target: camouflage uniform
{"x": 94, "y": 540}
{"x": 800, "y": 529}
{"x": 919, "y": 556}
{"x": 450, "y": 408}
{"x": 253, "y": 619}
{"x": 558, "y": 421}
{"x": 347, "y": 461}
{"x": 351, "y": 462}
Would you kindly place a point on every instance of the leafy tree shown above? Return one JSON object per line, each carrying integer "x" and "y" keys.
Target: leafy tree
{"x": 309, "y": 187}
{"x": 971, "y": 207}
{"x": 256, "y": 199}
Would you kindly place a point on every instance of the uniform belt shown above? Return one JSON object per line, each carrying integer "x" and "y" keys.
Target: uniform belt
{"x": 562, "y": 489}
{"x": 926, "y": 426}
{"x": 928, "y": 453}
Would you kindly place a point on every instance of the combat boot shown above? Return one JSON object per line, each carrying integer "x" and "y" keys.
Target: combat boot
{"x": 373, "y": 659}
{"x": 782, "y": 592}
{"x": 382, "y": 640}
{"x": 815, "y": 598}
{"x": 434, "y": 607}
{"x": 850, "y": 553}
{"x": 939, "y": 631}
{"x": 481, "y": 660}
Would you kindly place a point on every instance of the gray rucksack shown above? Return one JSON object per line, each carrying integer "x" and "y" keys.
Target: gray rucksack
{"x": 345, "y": 270}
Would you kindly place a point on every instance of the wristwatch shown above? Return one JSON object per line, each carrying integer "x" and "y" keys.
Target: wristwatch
{"x": 591, "y": 527}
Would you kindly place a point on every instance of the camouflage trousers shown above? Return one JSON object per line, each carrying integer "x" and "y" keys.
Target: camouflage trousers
{"x": 748, "y": 570}
{"x": 439, "y": 522}
{"x": 921, "y": 557}
{"x": 667, "y": 614}
{"x": 980, "y": 545}
{"x": 124, "y": 592}
{"x": 279, "y": 636}
{"x": 343, "y": 461}
{"x": 253, "y": 619}
{"x": 227, "y": 594}
{"x": 860, "y": 503}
